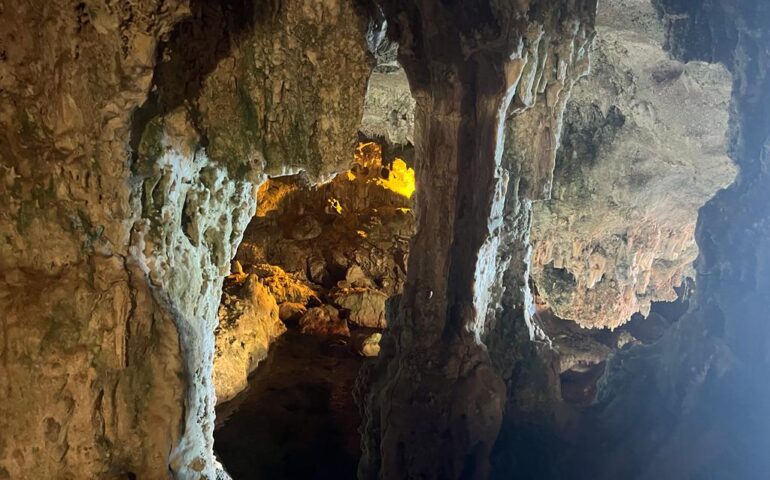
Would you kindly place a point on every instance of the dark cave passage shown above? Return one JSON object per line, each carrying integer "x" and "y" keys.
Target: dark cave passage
{"x": 297, "y": 418}
{"x": 582, "y": 353}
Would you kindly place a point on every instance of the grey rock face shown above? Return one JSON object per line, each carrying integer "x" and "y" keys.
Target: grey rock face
{"x": 643, "y": 147}
{"x": 703, "y": 376}
{"x": 389, "y": 108}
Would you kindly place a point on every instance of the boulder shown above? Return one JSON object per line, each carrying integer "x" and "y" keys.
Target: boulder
{"x": 291, "y": 312}
{"x": 366, "y": 306}
{"x": 306, "y": 228}
{"x": 284, "y": 286}
{"x": 324, "y": 320}
{"x": 248, "y": 324}
{"x": 371, "y": 345}
{"x": 355, "y": 277}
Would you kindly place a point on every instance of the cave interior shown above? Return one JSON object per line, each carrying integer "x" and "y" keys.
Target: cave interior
{"x": 384, "y": 239}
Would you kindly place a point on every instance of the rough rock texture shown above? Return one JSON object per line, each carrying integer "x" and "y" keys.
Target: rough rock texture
{"x": 701, "y": 389}
{"x": 248, "y": 324}
{"x": 325, "y": 321}
{"x": 366, "y": 306}
{"x": 370, "y": 347}
{"x": 290, "y": 312}
{"x": 433, "y": 404}
{"x": 643, "y": 147}
{"x": 336, "y": 252}
{"x": 284, "y": 287}
{"x": 132, "y": 136}
{"x": 352, "y": 231}
{"x": 389, "y": 108}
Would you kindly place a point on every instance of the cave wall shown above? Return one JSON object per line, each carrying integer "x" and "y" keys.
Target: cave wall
{"x": 643, "y": 148}
{"x": 133, "y": 139}
{"x": 702, "y": 390}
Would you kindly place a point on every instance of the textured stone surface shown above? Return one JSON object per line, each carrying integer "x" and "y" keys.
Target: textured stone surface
{"x": 365, "y": 306}
{"x": 91, "y": 365}
{"x": 325, "y": 321}
{"x": 701, "y": 388}
{"x": 290, "y": 313}
{"x": 643, "y": 147}
{"x": 133, "y": 136}
{"x": 370, "y": 347}
{"x": 361, "y": 222}
{"x": 433, "y": 404}
{"x": 389, "y": 108}
{"x": 248, "y": 324}
{"x": 120, "y": 225}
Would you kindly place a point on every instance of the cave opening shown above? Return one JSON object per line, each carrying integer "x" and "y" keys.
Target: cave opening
{"x": 303, "y": 309}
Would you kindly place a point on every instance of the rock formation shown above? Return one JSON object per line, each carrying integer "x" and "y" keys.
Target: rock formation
{"x": 435, "y": 379}
{"x": 132, "y": 138}
{"x": 643, "y": 147}
{"x": 322, "y": 258}
{"x": 700, "y": 389}
{"x": 352, "y": 231}
{"x": 248, "y": 323}
{"x": 136, "y": 139}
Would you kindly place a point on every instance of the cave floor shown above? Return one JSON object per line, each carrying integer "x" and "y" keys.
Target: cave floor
{"x": 297, "y": 419}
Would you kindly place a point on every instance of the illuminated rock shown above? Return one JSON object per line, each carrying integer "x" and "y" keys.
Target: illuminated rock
{"x": 248, "y": 323}
{"x": 324, "y": 321}
{"x": 365, "y": 306}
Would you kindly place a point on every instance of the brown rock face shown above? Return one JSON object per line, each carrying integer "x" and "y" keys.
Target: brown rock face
{"x": 290, "y": 313}
{"x": 248, "y": 323}
{"x": 353, "y": 230}
{"x": 132, "y": 137}
{"x": 325, "y": 321}
{"x": 434, "y": 403}
{"x": 643, "y": 147}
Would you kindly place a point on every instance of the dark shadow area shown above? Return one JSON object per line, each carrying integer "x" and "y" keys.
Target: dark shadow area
{"x": 297, "y": 419}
